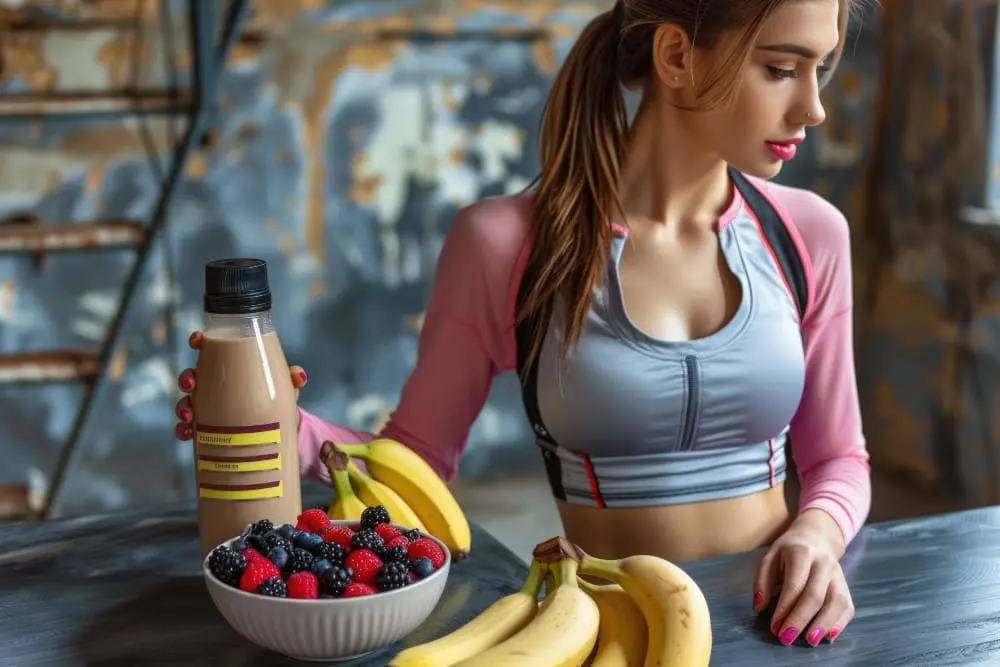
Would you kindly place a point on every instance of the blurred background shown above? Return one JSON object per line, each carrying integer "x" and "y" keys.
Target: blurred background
{"x": 336, "y": 139}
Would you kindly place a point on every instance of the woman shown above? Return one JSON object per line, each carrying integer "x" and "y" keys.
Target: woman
{"x": 683, "y": 340}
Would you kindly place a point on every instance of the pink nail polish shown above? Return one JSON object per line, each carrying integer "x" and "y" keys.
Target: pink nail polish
{"x": 758, "y": 599}
{"x": 186, "y": 415}
{"x": 814, "y": 636}
{"x": 788, "y": 636}
{"x": 833, "y": 634}
{"x": 302, "y": 374}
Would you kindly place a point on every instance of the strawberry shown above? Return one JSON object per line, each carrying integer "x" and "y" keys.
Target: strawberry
{"x": 258, "y": 571}
{"x": 398, "y": 541}
{"x": 365, "y": 565}
{"x": 303, "y": 585}
{"x": 313, "y": 520}
{"x": 340, "y": 534}
{"x": 387, "y": 532}
{"x": 426, "y": 548}
{"x": 357, "y": 590}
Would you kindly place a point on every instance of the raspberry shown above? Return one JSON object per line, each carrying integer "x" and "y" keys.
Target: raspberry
{"x": 372, "y": 516}
{"x": 300, "y": 560}
{"x": 257, "y": 572}
{"x": 413, "y": 535}
{"x": 399, "y": 541}
{"x": 340, "y": 534}
{"x": 368, "y": 539}
{"x": 387, "y": 531}
{"x": 365, "y": 564}
{"x": 331, "y": 551}
{"x": 396, "y": 554}
{"x": 227, "y": 565}
{"x": 413, "y": 577}
{"x": 427, "y": 548}
{"x": 392, "y": 576}
{"x": 252, "y": 554}
{"x": 313, "y": 520}
{"x": 273, "y": 588}
{"x": 303, "y": 586}
{"x": 356, "y": 590}
{"x": 335, "y": 581}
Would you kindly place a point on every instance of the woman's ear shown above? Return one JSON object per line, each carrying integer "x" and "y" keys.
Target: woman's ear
{"x": 673, "y": 58}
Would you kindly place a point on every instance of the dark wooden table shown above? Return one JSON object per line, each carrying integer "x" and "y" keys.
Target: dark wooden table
{"x": 126, "y": 590}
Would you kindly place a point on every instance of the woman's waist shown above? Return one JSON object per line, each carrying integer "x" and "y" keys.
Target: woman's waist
{"x": 679, "y": 531}
{"x": 664, "y": 478}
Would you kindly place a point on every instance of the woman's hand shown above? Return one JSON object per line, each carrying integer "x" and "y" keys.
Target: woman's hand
{"x": 186, "y": 382}
{"x": 805, "y": 561}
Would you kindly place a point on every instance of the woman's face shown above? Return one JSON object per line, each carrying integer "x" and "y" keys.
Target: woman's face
{"x": 778, "y": 91}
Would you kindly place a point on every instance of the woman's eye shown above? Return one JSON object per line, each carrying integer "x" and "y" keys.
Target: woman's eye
{"x": 782, "y": 73}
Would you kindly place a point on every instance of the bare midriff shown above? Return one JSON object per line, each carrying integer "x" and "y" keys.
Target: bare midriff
{"x": 678, "y": 532}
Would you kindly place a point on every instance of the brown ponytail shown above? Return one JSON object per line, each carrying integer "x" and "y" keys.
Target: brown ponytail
{"x": 583, "y": 135}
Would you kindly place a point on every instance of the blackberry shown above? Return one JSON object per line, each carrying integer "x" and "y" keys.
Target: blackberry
{"x": 367, "y": 538}
{"x": 396, "y": 554}
{"x": 332, "y": 552}
{"x": 257, "y": 543}
{"x": 373, "y": 516}
{"x": 300, "y": 560}
{"x": 227, "y": 565}
{"x": 275, "y": 539}
{"x": 273, "y": 588}
{"x": 262, "y": 526}
{"x": 412, "y": 535}
{"x": 335, "y": 580}
{"x": 392, "y": 576}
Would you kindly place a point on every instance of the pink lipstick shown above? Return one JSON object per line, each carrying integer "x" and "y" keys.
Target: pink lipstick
{"x": 784, "y": 150}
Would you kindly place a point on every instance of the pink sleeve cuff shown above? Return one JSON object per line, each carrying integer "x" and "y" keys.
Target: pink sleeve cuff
{"x": 313, "y": 432}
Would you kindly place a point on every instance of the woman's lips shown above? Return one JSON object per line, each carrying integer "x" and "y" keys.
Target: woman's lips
{"x": 783, "y": 150}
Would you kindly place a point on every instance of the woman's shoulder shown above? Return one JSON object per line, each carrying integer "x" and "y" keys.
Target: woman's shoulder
{"x": 494, "y": 226}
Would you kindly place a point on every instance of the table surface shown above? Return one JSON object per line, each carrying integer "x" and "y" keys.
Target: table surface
{"x": 127, "y": 590}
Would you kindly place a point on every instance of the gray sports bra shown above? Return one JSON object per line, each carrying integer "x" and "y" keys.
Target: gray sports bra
{"x": 632, "y": 420}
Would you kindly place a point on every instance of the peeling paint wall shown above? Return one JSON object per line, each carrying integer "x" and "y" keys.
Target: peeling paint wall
{"x": 343, "y": 149}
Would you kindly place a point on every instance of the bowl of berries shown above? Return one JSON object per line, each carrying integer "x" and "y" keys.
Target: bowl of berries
{"x": 326, "y": 590}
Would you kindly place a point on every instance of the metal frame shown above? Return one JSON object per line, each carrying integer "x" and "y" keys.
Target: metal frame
{"x": 206, "y": 64}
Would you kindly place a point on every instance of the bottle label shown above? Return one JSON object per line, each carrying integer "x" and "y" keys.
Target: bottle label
{"x": 257, "y": 491}
{"x": 238, "y": 436}
{"x": 239, "y": 463}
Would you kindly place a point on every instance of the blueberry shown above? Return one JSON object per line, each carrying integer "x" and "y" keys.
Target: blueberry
{"x": 307, "y": 541}
{"x": 238, "y": 545}
{"x": 279, "y": 557}
{"x": 423, "y": 567}
{"x": 320, "y": 566}
{"x": 286, "y": 530}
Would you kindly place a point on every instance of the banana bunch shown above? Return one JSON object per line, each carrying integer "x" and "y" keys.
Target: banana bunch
{"x": 402, "y": 482}
{"x": 649, "y": 613}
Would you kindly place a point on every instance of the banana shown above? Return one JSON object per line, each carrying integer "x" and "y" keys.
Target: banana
{"x": 405, "y": 472}
{"x": 345, "y": 505}
{"x": 676, "y": 613}
{"x": 374, "y": 493}
{"x": 562, "y": 634}
{"x": 496, "y": 623}
{"x": 623, "y": 635}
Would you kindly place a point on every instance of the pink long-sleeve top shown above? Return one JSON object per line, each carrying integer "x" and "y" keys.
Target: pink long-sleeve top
{"x": 468, "y": 338}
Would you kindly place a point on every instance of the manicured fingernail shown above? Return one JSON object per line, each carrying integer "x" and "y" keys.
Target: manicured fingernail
{"x": 179, "y": 430}
{"x": 302, "y": 376}
{"x": 184, "y": 382}
{"x": 194, "y": 340}
{"x": 758, "y": 599}
{"x": 788, "y": 636}
{"x": 833, "y": 634}
{"x": 814, "y": 636}
{"x": 186, "y": 415}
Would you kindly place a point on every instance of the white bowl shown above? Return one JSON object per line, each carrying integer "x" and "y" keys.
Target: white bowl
{"x": 326, "y": 630}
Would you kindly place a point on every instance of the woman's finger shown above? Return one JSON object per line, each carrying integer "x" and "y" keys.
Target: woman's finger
{"x": 795, "y": 577}
{"x": 765, "y": 580}
{"x": 809, "y": 604}
{"x": 184, "y": 411}
{"x": 195, "y": 340}
{"x": 835, "y": 606}
{"x": 185, "y": 381}
{"x": 299, "y": 377}
{"x": 183, "y": 431}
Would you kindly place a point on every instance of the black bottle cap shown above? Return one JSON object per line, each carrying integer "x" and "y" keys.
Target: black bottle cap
{"x": 236, "y": 287}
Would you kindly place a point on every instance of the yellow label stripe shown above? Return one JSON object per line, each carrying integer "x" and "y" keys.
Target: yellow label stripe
{"x": 240, "y": 491}
{"x": 265, "y": 434}
{"x": 240, "y": 463}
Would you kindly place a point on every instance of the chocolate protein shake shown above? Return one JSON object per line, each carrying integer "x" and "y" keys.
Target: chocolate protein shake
{"x": 246, "y": 417}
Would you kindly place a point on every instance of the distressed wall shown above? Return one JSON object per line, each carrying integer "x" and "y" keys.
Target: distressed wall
{"x": 344, "y": 146}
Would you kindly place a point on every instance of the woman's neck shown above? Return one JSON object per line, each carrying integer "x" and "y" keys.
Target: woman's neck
{"x": 668, "y": 177}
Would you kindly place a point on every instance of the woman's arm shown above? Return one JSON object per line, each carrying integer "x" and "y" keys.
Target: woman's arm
{"x": 463, "y": 344}
{"x": 827, "y": 440}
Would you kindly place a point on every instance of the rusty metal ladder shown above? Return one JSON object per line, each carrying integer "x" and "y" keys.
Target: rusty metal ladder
{"x": 195, "y": 102}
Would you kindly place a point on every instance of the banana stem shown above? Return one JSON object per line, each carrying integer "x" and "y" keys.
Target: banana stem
{"x": 565, "y": 572}
{"x": 358, "y": 451}
{"x": 533, "y": 584}
{"x": 598, "y": 567}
